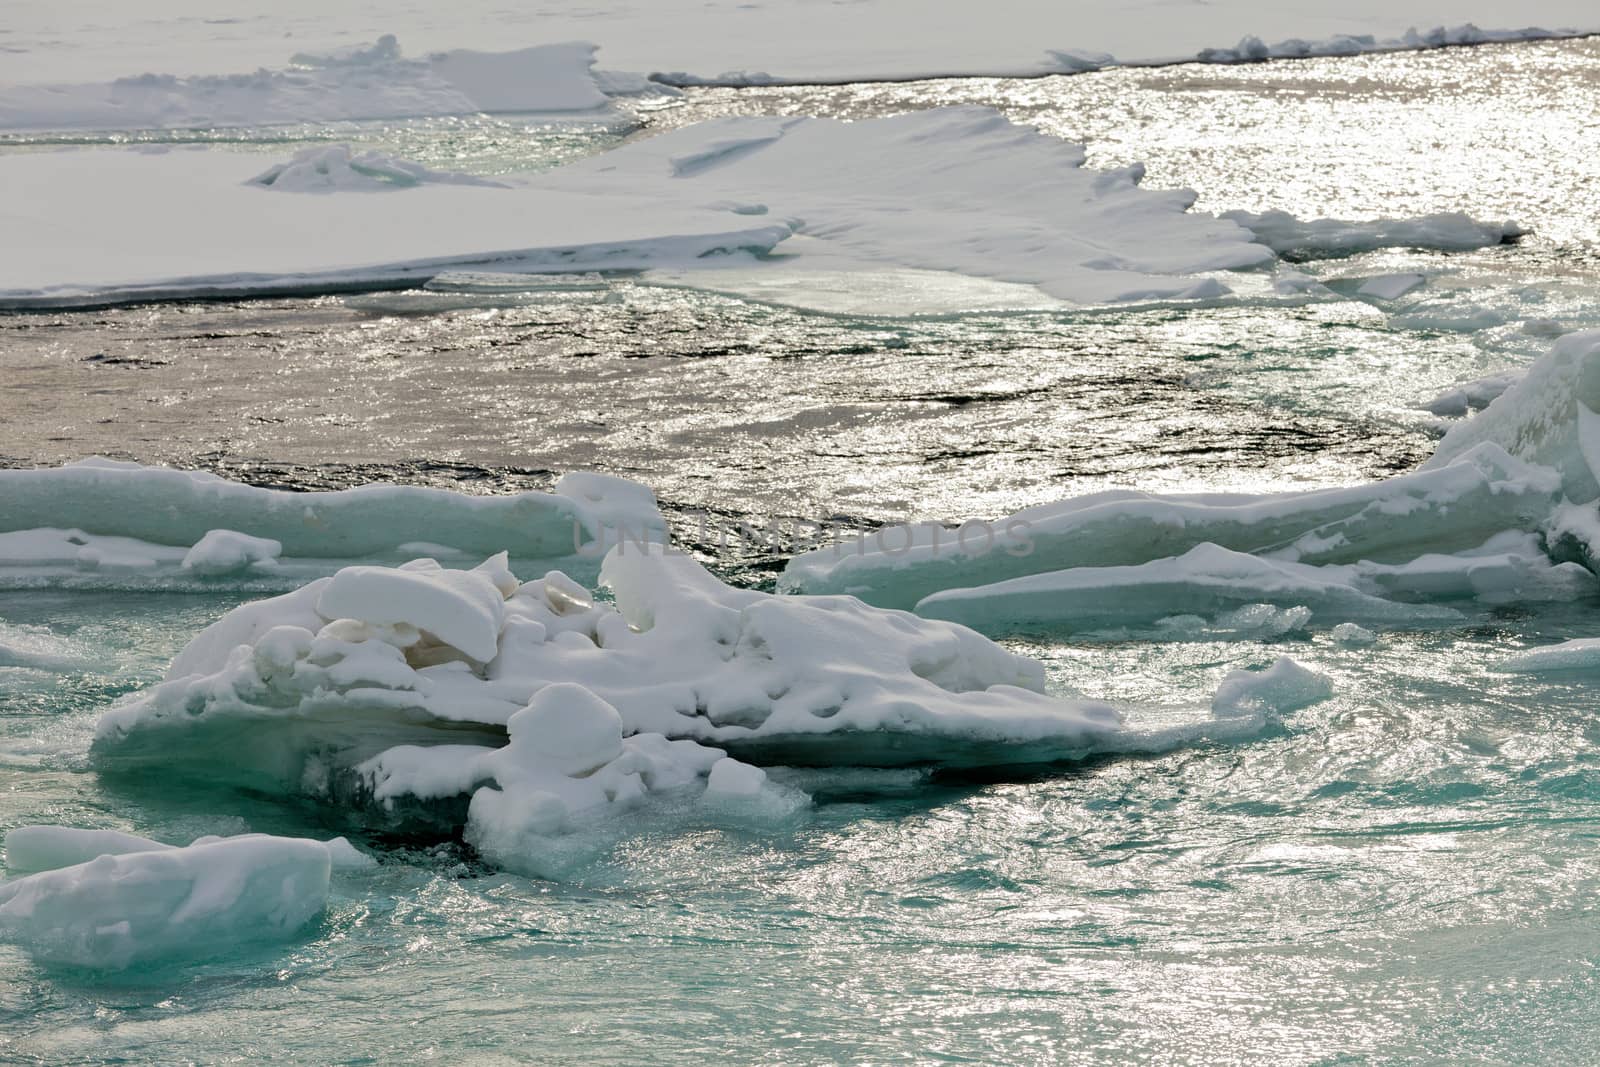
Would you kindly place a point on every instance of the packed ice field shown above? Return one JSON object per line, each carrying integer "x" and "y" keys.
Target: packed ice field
{"x": 1072, "y": 559}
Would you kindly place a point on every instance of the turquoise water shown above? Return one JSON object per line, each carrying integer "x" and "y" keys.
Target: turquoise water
{"x": 1403, "y": 873}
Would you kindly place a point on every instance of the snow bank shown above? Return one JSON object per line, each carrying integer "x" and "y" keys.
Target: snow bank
{"x": 102, "y": 523}
{"x": 132, "y": 904}
{"x": 360, "y": 83}
{"x": 1302, "y": 239}
{"x": 1449, "y": 508}
{"x": 954, "y": 190}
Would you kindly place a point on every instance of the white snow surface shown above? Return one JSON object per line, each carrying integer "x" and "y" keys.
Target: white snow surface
{"x": 959, "y": 190}
{"x": 734, "y": 41}
{"x": 132, "y": 904}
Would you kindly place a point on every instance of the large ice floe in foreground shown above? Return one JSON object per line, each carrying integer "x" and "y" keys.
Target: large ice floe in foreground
{"x": 528, "y": 717}
{"x": 1505, "y": 511}
{"x": 105, "y": 900}
{"x": 102, "y": 523}
{"x": 961, "y": 191}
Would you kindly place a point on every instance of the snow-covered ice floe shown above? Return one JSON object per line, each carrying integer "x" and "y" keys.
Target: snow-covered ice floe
{"x": 1504, "y": 511}
{"x": 528, "y": 717}
{"x": 375, "y": 82}
{"x": 105, "y": 900}
{"x": 958, "y": 190}
{"x": 102, "y": 523}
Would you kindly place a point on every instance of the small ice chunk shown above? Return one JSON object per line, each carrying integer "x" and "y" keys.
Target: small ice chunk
{"x": 731, "y": 778}
{"x": 116, "y": 910}
{"x": 222, "y": 552}
{"x": 1390, "y": 286}
{"x": 1352, "y": 636}
{"x": 1282, "y": 687}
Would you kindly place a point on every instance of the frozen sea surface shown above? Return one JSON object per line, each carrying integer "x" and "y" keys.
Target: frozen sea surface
{"x": 1405, "y": 872}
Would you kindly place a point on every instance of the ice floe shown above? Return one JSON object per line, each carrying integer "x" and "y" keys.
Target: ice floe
{"x": 1450, "y": 508}
{"x": 105, "y": 900}
{"x": 1320, "y": 238}
{"x": 534, "y": 720}
{"x": 962, "y": 191}
{"x": 1503, "y": 512}
{"x": 102, "y": 523}
{"x": 1580, "y": 654}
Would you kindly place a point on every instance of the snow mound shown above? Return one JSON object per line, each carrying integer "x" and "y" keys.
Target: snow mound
{"x": 1449, "y": 508}
{"x": 361, "y": 83}
{"x": 133, "y": 904}
{"x": 1302, "y": 239}
{"x": 104, "y": 523}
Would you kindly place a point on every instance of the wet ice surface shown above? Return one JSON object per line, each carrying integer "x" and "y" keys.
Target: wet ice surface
{"x": 1405, "y": 871}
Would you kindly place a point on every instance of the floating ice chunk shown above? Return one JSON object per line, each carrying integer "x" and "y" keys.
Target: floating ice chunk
{"x": 1582, "y": 654}
{"x": 808, "y": 679}
{"x": 1390, "y": 286}
{"x": 1283, "y": 687}
{"x": 1320, "y": 238}
{"x": 96, "y": 516}
{"x": 47, "y": 848}
{"x": 118, "y": 909}
{"x": 1352, "y": 636}
{"x": 1549, "y": 417}
{"x": 229, "y": 552}
{"x": 336, "y": 168}
{"x": 1474, "y": 395}
{"x": 1449, "y": 507}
